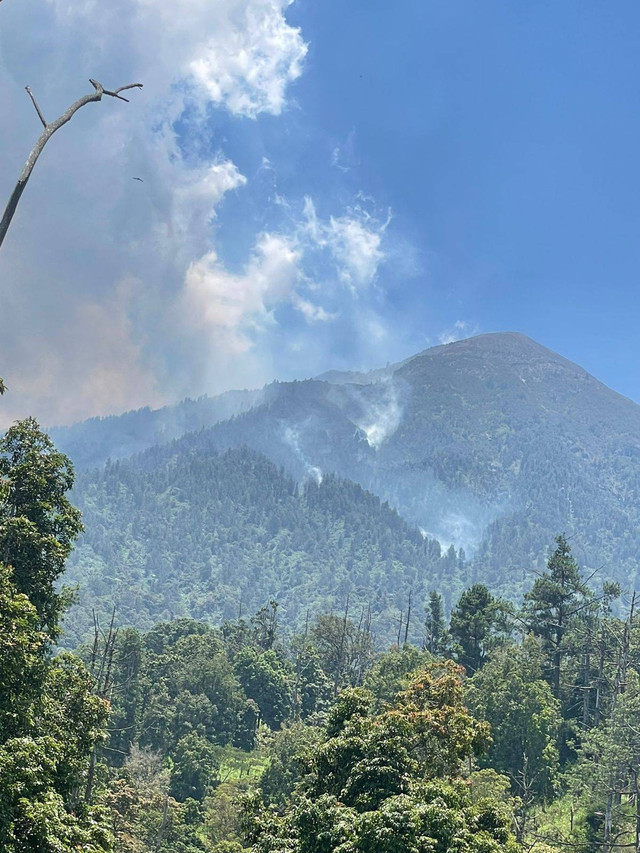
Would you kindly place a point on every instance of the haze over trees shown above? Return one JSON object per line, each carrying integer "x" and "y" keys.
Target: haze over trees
{"x": 493, "y": 443}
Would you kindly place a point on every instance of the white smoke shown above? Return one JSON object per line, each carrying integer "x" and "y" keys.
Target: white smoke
{"x": 292, "y": 438}
{"x": 380, "y": 419}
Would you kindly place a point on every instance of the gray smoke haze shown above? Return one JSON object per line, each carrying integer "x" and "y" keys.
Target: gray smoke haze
{"x": 95, "y": 309}
{"x": 381, "y": 416}
{"x": 118, "y": 294}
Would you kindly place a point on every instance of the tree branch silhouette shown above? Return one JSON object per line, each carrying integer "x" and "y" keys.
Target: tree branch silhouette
{"x": 49, "y": 129}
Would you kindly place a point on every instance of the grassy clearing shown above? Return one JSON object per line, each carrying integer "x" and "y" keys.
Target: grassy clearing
{"x": 239, "y": 766}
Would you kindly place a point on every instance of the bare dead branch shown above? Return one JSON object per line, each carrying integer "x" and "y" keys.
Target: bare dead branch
{"x": 115, "y": 94}
{"x": 45, "y": 136}
{"x": 35, "y": 104}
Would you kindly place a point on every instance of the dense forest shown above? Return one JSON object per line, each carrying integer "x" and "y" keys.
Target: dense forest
{"x": 212, "y": 536}
{"x": 506, "y": 729}
{"x": 492, "y": 443}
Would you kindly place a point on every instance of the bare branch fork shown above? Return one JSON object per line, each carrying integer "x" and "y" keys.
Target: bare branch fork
{"x": 49, "y": 129}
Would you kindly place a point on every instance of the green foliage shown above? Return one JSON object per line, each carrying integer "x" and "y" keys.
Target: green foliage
{"x": 436, "y": 634}
{"x": 174, "y": 681}
{"x": 392, "y": 673}
{"x": 195, "y": 768}
{"x": 510, "y": 694}
{"x": 210, "y": 536}
{"x": 289, "y": 757}
{"x": 50, "y": 719}
{"x": 345, "y": 650}
{"x": 38, "y": 525}
{"x": 386, "y": 783}
{"x": 266, "y": 679}
{"x": 22, "y": 663}
{"x": 606, "y": 778}
{"x": 556, "y": 598}
{"x": 445, "y": 733}
{"x": 42, "y": 768}
{"x": 383, "y": 769}
{"x": 479, "y": 623}
{"x": 145, "y": 818}
{"x": 312, "y": 687}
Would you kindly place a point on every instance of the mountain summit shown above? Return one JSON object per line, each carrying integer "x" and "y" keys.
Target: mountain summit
{"x": 493, "y": 443}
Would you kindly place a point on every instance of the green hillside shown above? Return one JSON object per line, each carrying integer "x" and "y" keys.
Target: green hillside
{"x": 493, "y": 444}
{"x": 176, "y": 533}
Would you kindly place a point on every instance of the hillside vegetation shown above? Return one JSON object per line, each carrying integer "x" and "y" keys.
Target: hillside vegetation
{"x": 510, "y": 729}
{"x": 493, "y": 444}
{"x": 178, "y": 533}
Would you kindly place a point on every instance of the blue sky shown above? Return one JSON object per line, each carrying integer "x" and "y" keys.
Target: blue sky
{"x": 375, "y": 178}
{"x": 505, "y": 137}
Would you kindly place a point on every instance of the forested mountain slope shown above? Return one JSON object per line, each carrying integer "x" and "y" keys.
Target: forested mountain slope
{"x": 494, "y": 443}
{"x": 91, "y": 443}
{"x": 177, "y": 532}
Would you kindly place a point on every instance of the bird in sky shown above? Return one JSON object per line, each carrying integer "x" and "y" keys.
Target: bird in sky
{"x": 139, "y": 179}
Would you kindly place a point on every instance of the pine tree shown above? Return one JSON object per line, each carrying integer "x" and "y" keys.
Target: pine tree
{"x": 551, "y": 605}
{"x": 435, "y": 626}
{"x": 479, "y": 623}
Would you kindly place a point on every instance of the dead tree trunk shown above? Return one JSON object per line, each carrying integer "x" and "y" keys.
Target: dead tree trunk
{"x": 49, "y": 129}
{"x": 406, "y": 630}
{"x": 102, "y": 681}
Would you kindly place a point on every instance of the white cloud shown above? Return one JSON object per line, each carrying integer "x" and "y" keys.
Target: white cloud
{"x": 241, "y": 54}
{"x": 77, "y": 338}
{"x": 306, "y": 268}
{"x": 357, "y": 250}
{"x": 199, "y": 193}
{"x": 230, "y": 308}
{"x": 354, "y": 240}
{"x": 312, "y": 313}
{"x": 247, "y": 67}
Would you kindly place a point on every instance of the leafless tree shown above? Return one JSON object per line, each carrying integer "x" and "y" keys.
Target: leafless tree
{"x": 49, "y": 129}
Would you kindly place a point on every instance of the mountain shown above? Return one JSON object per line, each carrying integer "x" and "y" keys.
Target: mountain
{"x": 494, "y": 443}
{"x": 92, "y": 442}
{"x": 179, "y": 532}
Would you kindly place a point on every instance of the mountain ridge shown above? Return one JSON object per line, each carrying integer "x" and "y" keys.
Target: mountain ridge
{"x": 494, "y": 444}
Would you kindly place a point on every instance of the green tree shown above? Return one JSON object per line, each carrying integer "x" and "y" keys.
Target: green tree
{"x": 606, "y": 778}
{"x": 392, "y": 673}
{"x": 22, "y": 656}
{"x": 125, "y": 719}
{"x": 289, "y": 757}
{"x": 344, "y": 649}
{"x": 42, "y": 770}
{"x": 510, "y": 693}
{"x": 312, "y": 687}
{"x": 435, "y": 626}
{"x": 549, "y": 608}
{"x": 268, "y": 680}
{"x": 38, "y": 524}
{"x": 50, "y": 719}
{"x": 195, "y": 769}
{"x": 265, "y": 625}
{"x": 387, "y": 783}
{"x": 479, "y": 623}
